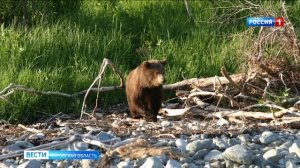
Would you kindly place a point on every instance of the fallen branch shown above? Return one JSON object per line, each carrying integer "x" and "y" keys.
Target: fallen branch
{"x": 226, "y": 75}
{"x": 98, "y": 79}
{"x": 29, "y": 129}
{"x": 190, "y": 83}
{"x": 203, "y": 82}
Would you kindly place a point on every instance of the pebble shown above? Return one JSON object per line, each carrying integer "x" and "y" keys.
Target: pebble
{"x": 196, "y": 145}
{"x": 217, "y": 164}
{"x": 222, "y": 122}
{"x": 254, "y": 150}
{"x": 105, "y": 136}
{"x": 286, "y": 145}
{"x": 164, "y": 158}
{"x": 273, "y": 155}
{"x": 239, "y": 154}
{"x": 24, "y": 144}
{"x": 173, "y": 164}
{"x": 165, "y": 123}
{"x": 233, "y": 141}
{"x": 181, "y": 144}
{"x": 290, "y": 164}
{"x": 11, "y": 148}
{"x": 78, "y": 145}
{"x": 123, "y": 164}
{"x": 200, "y": 154}
{"x": 221, "y": 144}
{"x": 295, "y": 148}
{"x": 39, "y": 135}
{"x": 31, "y": 164}
{"x": 268, "y": 137}
{"x": 244, "y": 137}
{"x": 50, "y": 165}
{"x": 6, "y": 165}
{"x": 213, "y": 155}
{"x": 116, "y": 123}
{"x": 152, "y": 162}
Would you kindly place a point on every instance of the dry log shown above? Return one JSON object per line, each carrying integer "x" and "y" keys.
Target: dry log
{"x": 29, "y": 129}
{"x": 188, "y": 83}
{"x": 203, "y": 82}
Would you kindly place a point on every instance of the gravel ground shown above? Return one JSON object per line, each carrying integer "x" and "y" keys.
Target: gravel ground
{"x": 201, "y": 143}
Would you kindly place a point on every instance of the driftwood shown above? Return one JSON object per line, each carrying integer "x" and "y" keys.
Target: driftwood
{"x": 29, "y": 129}
{"x": 135, "y": 149}
{"x": 188, "y": 83}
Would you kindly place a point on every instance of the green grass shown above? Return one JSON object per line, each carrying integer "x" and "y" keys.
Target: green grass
{"x": 63, "y": 50}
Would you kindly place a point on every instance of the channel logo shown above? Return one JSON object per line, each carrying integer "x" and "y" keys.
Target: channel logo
{"x": 62, "y": 154}
{"x": 265, "y": 21}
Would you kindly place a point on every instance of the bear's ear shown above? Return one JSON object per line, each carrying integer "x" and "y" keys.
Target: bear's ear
{"x": 146, "y": 64}
{"x": 163, "y": 62}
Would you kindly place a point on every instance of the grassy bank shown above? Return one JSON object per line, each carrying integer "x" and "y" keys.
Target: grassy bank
{"x": 63, "y": 51}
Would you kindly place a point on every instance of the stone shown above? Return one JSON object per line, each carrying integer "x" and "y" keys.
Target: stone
{"x": 152, "y": 162}
{"x": 6, "y": 165}
{"x": 239, "y": 154}
{"x": 31, "y": 164}
{"x": 222, "y": 122}
{"x": 165, "y": 123}
{"x": 50, "y": 165}
{"x": 194, "y": 146}
{"x": 204, "y": 136}
{"x": 290, "y": 164}
{"x": 173, "y": 164}
{"x": 200, "y": 154}
{"x": 207, "y": 165}
{"x": 79, "y": 145}
{"x": 259, "y": 160}
{"x": 164, "y": 158}
{"x": 233, "y": 141}
{"x": 221, "y": 144}
{"x": 295, "y": 148}
{"x": 24, "y": 144}
{"x": 39, "y": 135}
{"x": 11, "y": 148}
{"x": 244, "y": 137}
{"x": 217, "y": 164}
{"x": 213, "y": 155}
{"x": 63, "y": 163}
{"x": 286, "y": 145}
{"x": 181, "y": 144}
{"x": 186, "y": 160}
{"x": 255, "y": 138}
{"x": 254, "y": 146}
{"x": 88, "y": 163}
{"x": 185, "y": 165}
{"x": 105, "y": 136}
{"x": 268, "y": 137}
{"x": 123, "y": 164}
{"x": 273, "y": 155}
{"x": 229, "y": 163}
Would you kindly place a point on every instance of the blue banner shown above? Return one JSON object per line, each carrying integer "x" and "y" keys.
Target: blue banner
{"x": 62, "y": 154}
{"x": 260, "y": 21}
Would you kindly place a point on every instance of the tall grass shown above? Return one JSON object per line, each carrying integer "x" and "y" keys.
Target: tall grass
{"x": 64, "y": 53}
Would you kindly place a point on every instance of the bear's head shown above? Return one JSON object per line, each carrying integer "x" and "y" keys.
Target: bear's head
{"x": 154, "y": 72}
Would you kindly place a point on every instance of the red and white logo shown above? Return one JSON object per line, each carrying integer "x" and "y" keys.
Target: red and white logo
{"x": 279, "y": 22}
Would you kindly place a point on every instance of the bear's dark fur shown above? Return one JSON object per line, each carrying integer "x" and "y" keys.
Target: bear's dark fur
{"x": 144, "y": 89}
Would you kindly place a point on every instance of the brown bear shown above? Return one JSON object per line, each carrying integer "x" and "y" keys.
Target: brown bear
{"x": 144, "y": 89}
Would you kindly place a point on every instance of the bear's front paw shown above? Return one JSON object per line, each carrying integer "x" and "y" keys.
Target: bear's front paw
{"x": 151, "y": 119}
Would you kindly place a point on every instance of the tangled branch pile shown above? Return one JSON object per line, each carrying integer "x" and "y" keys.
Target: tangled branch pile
{"x": 269, "y": 81}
